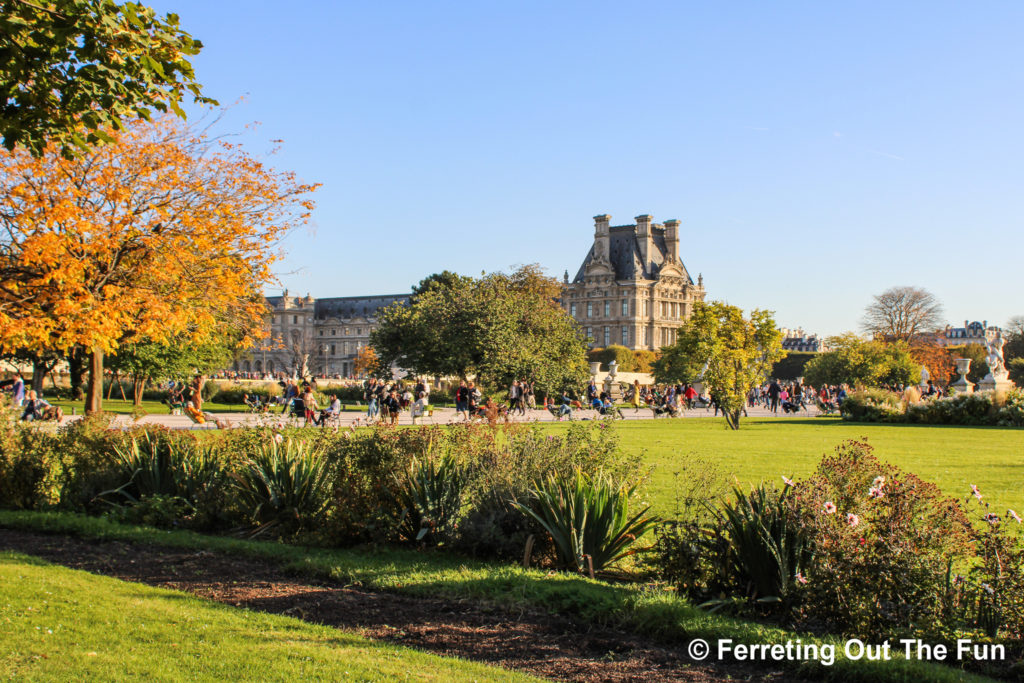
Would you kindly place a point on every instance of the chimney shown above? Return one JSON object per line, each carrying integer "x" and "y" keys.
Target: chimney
{"x": 601, "y": 239}
{"x": 644, "y": 240}
{"x": 672, "y": 240}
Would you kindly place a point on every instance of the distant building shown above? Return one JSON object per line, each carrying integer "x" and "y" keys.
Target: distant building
{"x": 798, "y": 340}
{"x": 632, "y": 288}
{"x": 970, "y": 333}
{"x": 325, "y": 335}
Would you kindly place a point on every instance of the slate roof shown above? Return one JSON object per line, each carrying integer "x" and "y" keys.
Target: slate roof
{"x": 624, "y": 255}
{"x": 353, "y": 306}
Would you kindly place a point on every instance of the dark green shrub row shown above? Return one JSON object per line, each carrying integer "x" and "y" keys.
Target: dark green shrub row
{"x": 983, "y": 408}
{"x": 859, "y": 548}
{"x": 455, "y": 486}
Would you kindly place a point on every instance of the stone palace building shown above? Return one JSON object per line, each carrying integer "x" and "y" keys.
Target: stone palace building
{"x": 323, "y": 334}
{"x": 632, "y": 289}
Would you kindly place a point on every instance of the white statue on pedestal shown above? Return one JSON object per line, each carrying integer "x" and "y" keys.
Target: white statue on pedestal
{"x": 995, "y": 361}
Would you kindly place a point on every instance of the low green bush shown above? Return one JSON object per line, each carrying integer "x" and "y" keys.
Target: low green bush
{"x": 1002, "y": 409}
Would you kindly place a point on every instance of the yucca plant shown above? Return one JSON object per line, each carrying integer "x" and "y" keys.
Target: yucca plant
{"x": 767, "y": 546}
{"x": 145, "y": 465}
{"x": 286, "y": 482}
{"x": 587, "y": 517}
{"x": 428, "y": 499}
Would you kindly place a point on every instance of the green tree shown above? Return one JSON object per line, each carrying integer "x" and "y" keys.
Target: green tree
{"x": 729, "y": 353}
{"x": 70, "y": 68}
{"x": 499, "y": 327}
{"x": 150, "y": 361}
{"x": 625, "y": 357}
{"x": 792, "y": 365}
{"x": 859, "y": 362}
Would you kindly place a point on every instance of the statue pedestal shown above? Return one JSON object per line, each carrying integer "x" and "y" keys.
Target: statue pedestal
{"x": 961, "y": 386}
{"x": 611, "y": 387}
{"x": 991, "y": 383}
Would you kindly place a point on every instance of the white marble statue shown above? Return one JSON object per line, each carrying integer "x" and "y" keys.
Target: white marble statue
{"x": 995, "y": 361}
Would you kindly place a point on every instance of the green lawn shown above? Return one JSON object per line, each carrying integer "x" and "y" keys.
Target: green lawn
{"x": 62, "y": 624}
{"x": 765, "y": 449}
{"x": 644, "y": 609}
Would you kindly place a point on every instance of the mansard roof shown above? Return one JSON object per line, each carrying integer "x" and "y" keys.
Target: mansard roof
{"x": 624, "y": 255}
{"x": 352, "y": 306}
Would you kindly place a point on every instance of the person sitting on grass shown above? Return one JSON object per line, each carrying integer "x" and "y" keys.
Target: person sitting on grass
{"x": 38, "y": 408}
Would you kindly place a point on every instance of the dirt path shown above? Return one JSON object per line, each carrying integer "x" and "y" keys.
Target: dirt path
{"x": 537, "y": 643}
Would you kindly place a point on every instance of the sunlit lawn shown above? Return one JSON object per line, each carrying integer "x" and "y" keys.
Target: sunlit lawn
{"x": 765, "y": 449}
{"x": 61, "y": 624}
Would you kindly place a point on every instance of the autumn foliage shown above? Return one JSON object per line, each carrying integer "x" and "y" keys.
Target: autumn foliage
{"x": 166, "y": 233}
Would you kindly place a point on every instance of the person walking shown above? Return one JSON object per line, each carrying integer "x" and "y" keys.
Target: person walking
{"x": 370, "y": 396}
{"x": 309, "y": 406}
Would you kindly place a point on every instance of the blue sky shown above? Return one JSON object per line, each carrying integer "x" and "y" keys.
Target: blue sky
{"x": 815, "y": 154}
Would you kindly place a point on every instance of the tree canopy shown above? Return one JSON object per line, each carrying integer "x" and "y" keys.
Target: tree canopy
{"x": 901, "y": 313}
{"x": 165, "y": 234}
{"x": 498, "y": 327}
{"x": 70, "y": 69}
{"x": 729, "y": 353}
{"x": 859, "y": 362}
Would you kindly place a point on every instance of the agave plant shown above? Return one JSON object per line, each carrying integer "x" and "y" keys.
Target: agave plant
{"x": 767, "y": 547}
{"x": 429, "y": 498}
{"x": 284, "y": 482}
{"x": 587, "y": 517}
{"x": 154, "y": 466}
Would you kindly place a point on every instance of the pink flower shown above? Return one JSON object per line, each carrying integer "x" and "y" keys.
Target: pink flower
{"x": 1015, "y": 516}
{"x": 788, "y": 481}
{"x": 876, "y": 492}
{"x": 830, "y": 508}
{"x": 879, "y": 482}
{"x": 975, "y": 491}
{"x": 852, "y": 519}
{"x": 800, "y": 578}
{"x": 278, "y": 438}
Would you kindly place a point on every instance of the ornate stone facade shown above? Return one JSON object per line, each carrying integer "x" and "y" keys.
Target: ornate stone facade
{"x": 323, "y": 334}
{"x": 632, "y": 288}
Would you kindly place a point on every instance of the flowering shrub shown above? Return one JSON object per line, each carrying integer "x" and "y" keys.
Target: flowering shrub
{"x": 883, "y": 542}
{"x": 860, "y": 548}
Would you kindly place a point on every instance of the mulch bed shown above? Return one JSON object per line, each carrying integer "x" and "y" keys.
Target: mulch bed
{"x": 540, "y": 644}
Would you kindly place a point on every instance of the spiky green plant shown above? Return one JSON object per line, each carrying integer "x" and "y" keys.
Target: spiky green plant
{"x": 767, "y": 546}
{"x": 284, "y": 482}
{"x": 152, "y": 465}
{"x": 428, "y": 499}
{"x": 587, "y": 516}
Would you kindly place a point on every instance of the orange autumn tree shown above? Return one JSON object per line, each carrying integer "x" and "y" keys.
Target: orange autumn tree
{"x": 166, "y": 233}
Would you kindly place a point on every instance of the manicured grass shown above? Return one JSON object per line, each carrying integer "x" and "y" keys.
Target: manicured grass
{"x": 765, "y": 449}
{"x": 62, "y": 624}
{"x": 650, "y": 610}
{"x": 120, "y": 407}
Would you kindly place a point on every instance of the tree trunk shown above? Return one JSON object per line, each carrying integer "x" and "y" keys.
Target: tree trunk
{"x": 39, "y": 370}
{"x": 138, "y": 386}
{"x": 75, "y": 371}
{"x": 733, "y": 418}
{"x": 94, "y": 392}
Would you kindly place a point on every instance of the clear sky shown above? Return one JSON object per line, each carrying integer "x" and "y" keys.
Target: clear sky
{"x": 815, "y": 153}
